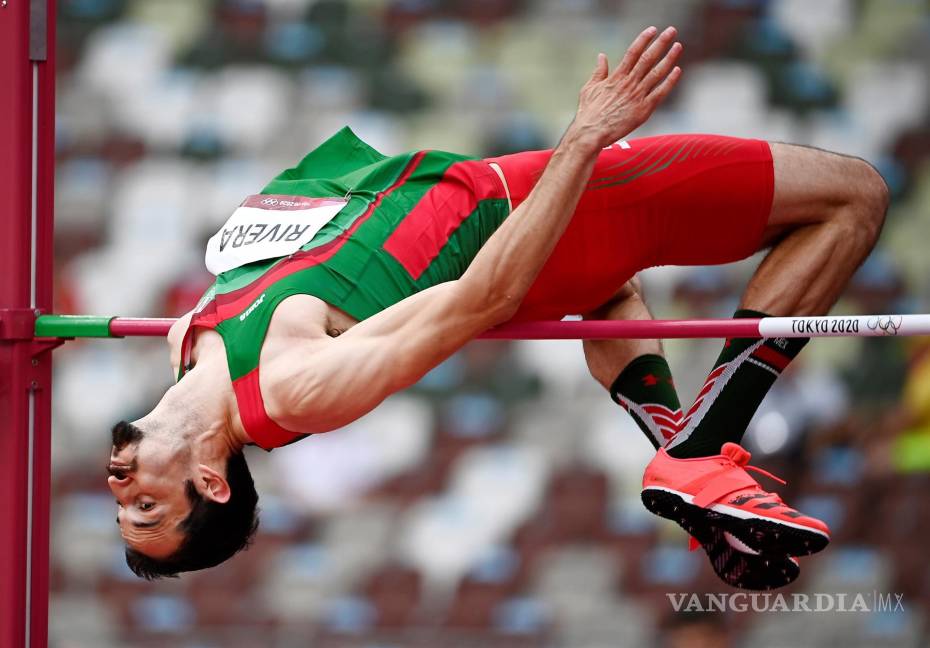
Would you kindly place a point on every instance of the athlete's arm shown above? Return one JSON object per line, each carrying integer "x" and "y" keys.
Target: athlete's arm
{"x": 395, "y": 348}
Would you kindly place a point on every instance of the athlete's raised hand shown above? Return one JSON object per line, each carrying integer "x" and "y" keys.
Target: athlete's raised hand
{"x": 613, "y": 104}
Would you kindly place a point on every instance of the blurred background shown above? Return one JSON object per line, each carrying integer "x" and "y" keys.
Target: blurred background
{"x": 496, "y": 503}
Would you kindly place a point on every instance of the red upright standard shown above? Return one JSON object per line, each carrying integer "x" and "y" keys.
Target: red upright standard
{"x": 27, "y": 150}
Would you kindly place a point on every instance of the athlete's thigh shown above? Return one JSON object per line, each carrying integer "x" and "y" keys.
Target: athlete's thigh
{"x": 688, "y": 199}
{"x": 810, "y": 184}
{"x": 667, "y": 200}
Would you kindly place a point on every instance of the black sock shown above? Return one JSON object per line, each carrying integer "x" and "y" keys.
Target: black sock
{"x": 741, "y": 377}
{"x": 645, "y": 389}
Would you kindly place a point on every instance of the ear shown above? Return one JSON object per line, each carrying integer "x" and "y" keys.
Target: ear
{"x": 214, "y": 485}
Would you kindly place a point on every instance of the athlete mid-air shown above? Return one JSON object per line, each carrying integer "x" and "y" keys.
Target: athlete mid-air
{"x": 353, "y": 274}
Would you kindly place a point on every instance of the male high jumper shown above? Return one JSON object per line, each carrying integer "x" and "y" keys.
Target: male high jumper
{"x": 410, "y": 257}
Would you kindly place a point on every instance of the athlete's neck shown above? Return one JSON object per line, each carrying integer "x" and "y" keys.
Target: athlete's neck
{"x": 202, "y": 401}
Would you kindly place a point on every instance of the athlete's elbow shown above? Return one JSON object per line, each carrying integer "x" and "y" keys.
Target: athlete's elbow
{"x": 502, "y": 304}
{"x": 493, "y": 301}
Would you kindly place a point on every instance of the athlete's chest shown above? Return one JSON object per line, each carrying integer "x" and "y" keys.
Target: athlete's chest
{"x": 306, "y": 317}
{"x": 300, "y": 325}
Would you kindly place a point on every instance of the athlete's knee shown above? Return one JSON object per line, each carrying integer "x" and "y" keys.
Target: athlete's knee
{"x": 862, "y": 214}
{"x": 874, "y": 198}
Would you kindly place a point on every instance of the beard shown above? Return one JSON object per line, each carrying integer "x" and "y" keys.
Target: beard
{"x": 125, "y": 434}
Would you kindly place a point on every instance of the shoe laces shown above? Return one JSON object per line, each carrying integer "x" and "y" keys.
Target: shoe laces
{"x": 740, "y": 456}
{"x": 766, "y": 473}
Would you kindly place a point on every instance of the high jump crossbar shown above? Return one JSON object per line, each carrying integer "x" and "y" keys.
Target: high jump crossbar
{"x": 88, "y": 326}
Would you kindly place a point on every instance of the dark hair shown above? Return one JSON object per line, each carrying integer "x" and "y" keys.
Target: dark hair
{"x": 213, "y": 532}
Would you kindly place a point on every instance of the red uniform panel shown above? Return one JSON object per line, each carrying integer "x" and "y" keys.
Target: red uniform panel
{"x": 666, "y": 200}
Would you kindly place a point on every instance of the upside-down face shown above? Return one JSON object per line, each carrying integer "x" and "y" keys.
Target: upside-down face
{"x": 147, "y": 476}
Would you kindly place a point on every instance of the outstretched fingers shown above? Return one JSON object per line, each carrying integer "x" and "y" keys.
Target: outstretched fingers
{"x": 634, "y": 52}
{"x": 653, "y": 53}
{"x": 659, "y": 73}
{"x": 661, "y": 91}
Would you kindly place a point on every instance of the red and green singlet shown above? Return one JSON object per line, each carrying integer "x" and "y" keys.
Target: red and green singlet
{"x": 412, "y": 221}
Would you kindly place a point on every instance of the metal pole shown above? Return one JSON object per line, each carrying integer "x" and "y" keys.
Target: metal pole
{"x": 26, "y": 176}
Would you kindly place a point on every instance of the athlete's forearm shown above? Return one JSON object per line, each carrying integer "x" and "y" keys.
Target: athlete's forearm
{"x": 611, "y": 105}
{"x": 508, "y": 263}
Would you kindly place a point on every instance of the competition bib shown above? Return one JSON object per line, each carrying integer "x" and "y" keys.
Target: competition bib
{"x": 266, "y": 227}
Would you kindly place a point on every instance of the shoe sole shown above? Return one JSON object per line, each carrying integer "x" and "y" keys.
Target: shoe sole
{"x": 761, "y": 534}
{"x": 758, "y": 572}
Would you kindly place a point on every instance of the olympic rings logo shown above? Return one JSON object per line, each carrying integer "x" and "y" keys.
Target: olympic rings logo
{"x": 888, "y": 324}
{"x": 274, "y": 202}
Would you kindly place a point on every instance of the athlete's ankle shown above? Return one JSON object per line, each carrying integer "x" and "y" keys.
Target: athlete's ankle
{"x": 645, "y": 389}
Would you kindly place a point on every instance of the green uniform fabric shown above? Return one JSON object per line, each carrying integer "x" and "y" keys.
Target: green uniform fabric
{"x": 345, "y": 263}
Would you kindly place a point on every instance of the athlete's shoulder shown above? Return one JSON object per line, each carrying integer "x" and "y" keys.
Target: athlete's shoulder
{"x": 175, "y": 339}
